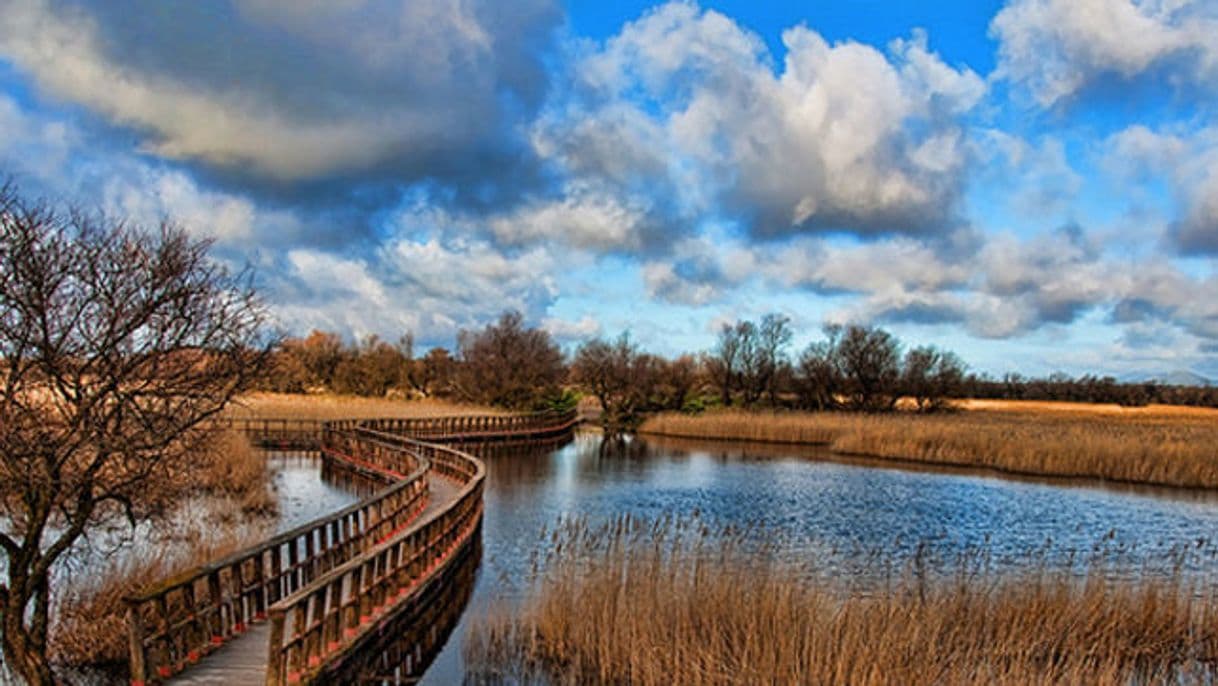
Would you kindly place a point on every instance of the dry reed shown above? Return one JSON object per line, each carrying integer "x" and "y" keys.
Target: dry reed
{"x": 89, "y": 619}
{"x": 624, "y": 604}
{"x": 230, "y": 467}
{"x": 1153, "y": 446}
{"x": 89, "y": 626}
{"x": 333, "y": 406}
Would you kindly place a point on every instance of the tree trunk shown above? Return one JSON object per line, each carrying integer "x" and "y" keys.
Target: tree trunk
{"x": 24, "y": 649}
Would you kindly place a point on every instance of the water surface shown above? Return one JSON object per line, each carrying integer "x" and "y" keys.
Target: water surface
{"x": 836, "y": 515}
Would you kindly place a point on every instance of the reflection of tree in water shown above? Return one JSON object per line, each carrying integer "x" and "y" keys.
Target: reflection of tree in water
{"x": 512, "y": 464}
{"x": 411, "y": 642}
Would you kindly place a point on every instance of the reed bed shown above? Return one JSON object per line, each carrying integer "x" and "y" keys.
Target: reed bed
{"x": 1155, "y": 447}
{"x": 231, "y": 468}
{"x": 89, "y": 627}
{"x": 625, "y": 604}
{"x": 233, "y": 510}
{"x": 334, "y": 406}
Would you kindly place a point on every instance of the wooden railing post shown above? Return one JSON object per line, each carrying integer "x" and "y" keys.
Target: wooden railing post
{"x": 135, "y": 644}
{"x": 274, "y": 652}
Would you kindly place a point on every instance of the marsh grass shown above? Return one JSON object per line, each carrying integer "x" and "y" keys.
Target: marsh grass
{"x": 234, "y": 510}
{"x": 231, "y": 468}
{"x": 1154, "y": 446}
{"x": 655, "y": 605}
{"x": 334, "y": 406}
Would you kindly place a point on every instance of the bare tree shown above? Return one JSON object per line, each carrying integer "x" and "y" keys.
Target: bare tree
{"x": 870, "y": 361}
{"x": 436, "y": 371}
{"x": 931, "y": 376}
{"x": 611, "y": 372}
{"x": 820, "y": 376}
{"x": 117, "y": 346}
{"x": 371, "y": 369}
{"x": 320, "y": 352}
{"x": 773, "y": 337}
{"x": 751, "y": 378}
{"x": 678, "y": 379}
{"x": 509, "y": 365}
{"x": 723, "y": 363}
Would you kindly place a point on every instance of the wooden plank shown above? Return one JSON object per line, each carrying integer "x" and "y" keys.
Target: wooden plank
{"x": 240, "y": 661}
{"x": 450, "y": 474}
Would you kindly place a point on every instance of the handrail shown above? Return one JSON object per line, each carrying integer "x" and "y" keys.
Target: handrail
{"x": 344, "y": 571}
{"x": 181, "y": 619}
{"x": 473, "y": 427}
{"x": 341, "y": 607}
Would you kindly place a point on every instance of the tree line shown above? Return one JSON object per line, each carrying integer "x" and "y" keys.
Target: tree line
{"x": 751, "y": 364}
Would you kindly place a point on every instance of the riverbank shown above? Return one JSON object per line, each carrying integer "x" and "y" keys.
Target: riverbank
{"x": 657, "y": 604}
{"x": 1157, "y": 445}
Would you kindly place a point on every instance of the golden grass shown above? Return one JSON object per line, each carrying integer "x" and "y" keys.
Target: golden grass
{"x": 89, "y": 626}
{"x": 332, "y": 406}
{"x": 231, "y": 467}
{"x": 1041, "y": 407}
{"x": 616, "y": 607}
{"x": 1160, "y": 446}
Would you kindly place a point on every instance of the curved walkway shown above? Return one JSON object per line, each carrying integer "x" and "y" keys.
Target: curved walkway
{"x": 295, "y": 608}
{"x": 244, "y": 660}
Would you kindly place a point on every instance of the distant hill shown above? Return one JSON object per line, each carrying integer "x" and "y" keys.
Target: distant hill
{"x": 1180, "y": 377}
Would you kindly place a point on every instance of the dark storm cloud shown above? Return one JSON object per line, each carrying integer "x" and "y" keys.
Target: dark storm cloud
{"x": 303, "y": 102}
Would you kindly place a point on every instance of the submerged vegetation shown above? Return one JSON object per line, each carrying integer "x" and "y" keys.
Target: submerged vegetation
{"x": 668, "y": 602}
{"x": 1161, "y": 446}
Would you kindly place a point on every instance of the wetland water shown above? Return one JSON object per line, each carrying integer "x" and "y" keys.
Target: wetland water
{"x": 839, "y": 517}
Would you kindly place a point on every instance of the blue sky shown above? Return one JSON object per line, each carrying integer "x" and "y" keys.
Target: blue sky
{"x": 1032, "y": 183}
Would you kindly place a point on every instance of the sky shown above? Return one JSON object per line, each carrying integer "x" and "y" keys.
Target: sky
{"x": 1031, "y": 183}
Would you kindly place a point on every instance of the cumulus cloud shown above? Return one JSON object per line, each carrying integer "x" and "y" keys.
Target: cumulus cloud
{"x": 431, "y": 287}
{"x": 840, "y": 137}
{"x": 293, "y": 90}
{"x": 1057, "y": 49}
{"x": 582, "y": 329}
{"x": 1190, "y": 160}
{"x": 583, "y": 218}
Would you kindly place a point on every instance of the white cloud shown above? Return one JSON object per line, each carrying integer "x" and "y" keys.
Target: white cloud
{"x": 430, "y": 287}
{"x": 1190, "y": 160}
{"x": 842, "y": 137}
{"x": 1058, "y": 48}
{"x": 584, "y": 328}
{"x": 581, "y": 218}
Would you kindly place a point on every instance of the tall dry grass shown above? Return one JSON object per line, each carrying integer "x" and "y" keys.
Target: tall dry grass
{"x": 231, "y": 468}
{"x": 334, "y": 406}
{"x": 89, "y": 627}
{"x": 1155, "y": 446}
{"x": 233, "y": 511}
{"x": 617, "y": 607}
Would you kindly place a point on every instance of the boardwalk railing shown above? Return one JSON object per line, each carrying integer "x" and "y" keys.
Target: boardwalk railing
{"x": 324, "y": 621}
{"x": 474, "y": 428}
{"x": 330, "y": 583}
{"x": 277, "y": 433}
{"x": 183, "y": 618}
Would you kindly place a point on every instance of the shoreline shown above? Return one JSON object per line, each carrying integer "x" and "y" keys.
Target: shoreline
{"x": 1081, "y": 448}
{"x": 1079, "y": 479}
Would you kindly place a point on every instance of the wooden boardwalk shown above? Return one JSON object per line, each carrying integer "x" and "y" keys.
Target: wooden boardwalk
{"x": 301, "y": 605}
{"x": 243, "y": 660}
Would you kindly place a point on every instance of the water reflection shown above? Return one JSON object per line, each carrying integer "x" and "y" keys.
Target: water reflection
{"x": 309, "y": 488}
{"x": 842, "y": 516}
{"x": 412, "y": 641}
